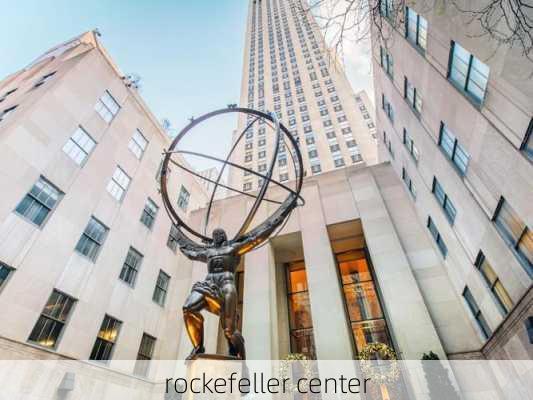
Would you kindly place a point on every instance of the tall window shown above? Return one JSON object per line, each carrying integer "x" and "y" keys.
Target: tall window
{"x": 118, "y": 184}
{"x": 467, "y": 73}
{"x": 107, "y": 107}
{"x": 92, "y": 239}
{"x": 410, "y": 145}
{"x": 412, "y": 96}
{"x": 387, "y": 107}
{"x": 472, "y": 305}
{"x": 300, "y": 320}
{"x": 172, "y": 240}
{"x": 444, "y": 201}
{"x": 4, "y": 96}
{"x": 40, "y": 201}
{"x": 386, "y": 8}
{"x": 436, "y": 235}
{"x": 387, "y": 62}
{"x": 44, "y": 79}
{"x": 361, "y": 298}
{"x": 161, "y": 288}
{"x": 408, "y": 182}
{"x": 138, "y": 144}
{"x": 149, "y": 213}
{"x": 527, "y": 144}
{"x": 145, "y": 354}
{"x": 5, "y": 272}
{"x": 4, "y": 114}
{"x": 416, "y": 28}
{"x": 183, "y": 198}
{"x": 49, "y": 326}
{"x": 516, "y": 233}
{"x": 106, "y": 339}
{"x": 453, "y": 150}
{"x": 131, "y": 266}
{"x": 494, "y": 284}
{"x": 79, "y": 146}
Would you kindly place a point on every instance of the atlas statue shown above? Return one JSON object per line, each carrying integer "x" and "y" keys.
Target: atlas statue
{"x": 217, "y": 293}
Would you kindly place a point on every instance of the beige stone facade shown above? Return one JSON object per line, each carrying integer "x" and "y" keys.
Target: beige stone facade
{"x": 459, "y": 136}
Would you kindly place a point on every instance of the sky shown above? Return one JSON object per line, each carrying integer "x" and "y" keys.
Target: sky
{"x": 189, "y": 54}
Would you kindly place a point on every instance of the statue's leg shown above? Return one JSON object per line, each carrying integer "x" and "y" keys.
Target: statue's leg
{"x": 229, "y": 321}
{"x": 194, "y": 321}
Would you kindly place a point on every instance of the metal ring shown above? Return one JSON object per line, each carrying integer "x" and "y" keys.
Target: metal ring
{"x": 280, "y": 129}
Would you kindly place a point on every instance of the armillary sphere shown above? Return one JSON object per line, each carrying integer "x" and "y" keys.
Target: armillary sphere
{"x": 283, "y": 137}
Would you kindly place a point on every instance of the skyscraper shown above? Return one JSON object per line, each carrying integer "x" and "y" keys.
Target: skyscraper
{"x": 288, "y": 70}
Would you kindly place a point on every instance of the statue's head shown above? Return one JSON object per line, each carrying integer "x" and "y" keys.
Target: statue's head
{"x": 219, "y": 237}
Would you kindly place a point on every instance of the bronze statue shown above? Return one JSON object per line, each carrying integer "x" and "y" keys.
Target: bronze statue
{"x": 218, "y": 293}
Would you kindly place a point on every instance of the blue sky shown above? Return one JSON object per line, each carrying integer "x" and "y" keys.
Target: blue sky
{"x": 188, "y": 53}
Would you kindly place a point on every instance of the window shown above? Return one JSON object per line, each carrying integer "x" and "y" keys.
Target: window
{"x": 92, "y": 239}
{"x": 363, "y": 306}
{"x": 247, "y": 186}
{"x": 49, "y": 326}
{"x": 408, "y": 182}
{"x": 453, "y": 150}
{"x": 339, "y": 162}
{"x": 7, "y": 94}
{"x": 416, "y": 28}
{"x": 138, "y": 144}
{"x": 145, "y": 354}
{"x": 106, "y": 339}
{"x": 44, "y": 79}
{"x": 39, "y": 202}
{"x": 436, "y": 235}
{"x": 388, "y": 144}
{"x": 283, "y": 177}
{"x": 5, "y": 272}
{"x": 7, "y": 112}
{"x": 444, "y": 201}
{"x": 516, "y": 233}
{"x": 316, "y": 169}
{"x": 131, "y": 266}
{"x": 410, "y": 145}
{"x": 467, "y": 73}
{"x": 412, "y": 96}
{"x": 472, "y": 305}
{"x": 387, "y": 107}
{"x": 149, "y": 213}
{"x": 261, "y": 154}
{"x": 79, "y": 146}
{"x": 161, "y": 288}
{"x": 300, "y": 319}
{"x": 387, "y": 62}
{"x": 527, "y": 144}
{"x": 494, "y": 284}
{"x": 386, "y": 8}
{"x": 118, "y": 184}
{"x": 172, "y": 240}
{"x": 107, "y": 107}
{"x": 183, "y": 198}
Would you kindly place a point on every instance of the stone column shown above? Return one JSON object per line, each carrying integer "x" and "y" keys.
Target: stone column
{"x": 331, "y": 331}
{"x": 259, "y": 323}
{"x": 406, "y": 312}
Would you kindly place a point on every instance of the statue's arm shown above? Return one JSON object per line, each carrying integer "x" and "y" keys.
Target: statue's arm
{"x": 191, "y": 249}
{"x": 262, "y": 232}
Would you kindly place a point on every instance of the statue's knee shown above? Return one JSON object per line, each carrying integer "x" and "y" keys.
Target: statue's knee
{"x": 228, "y": 333}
